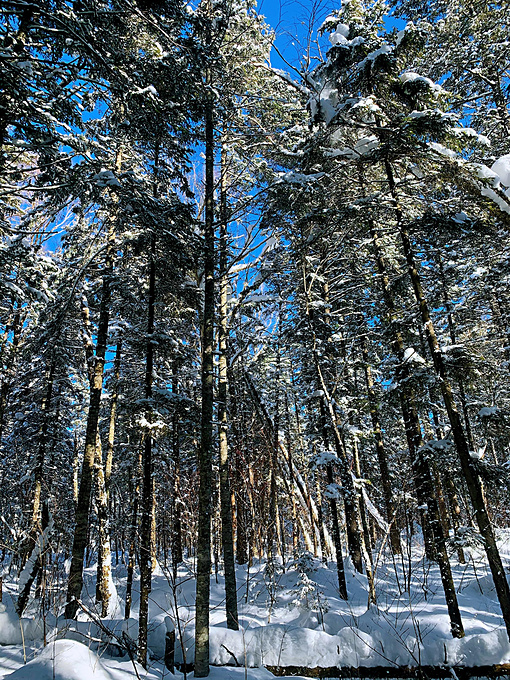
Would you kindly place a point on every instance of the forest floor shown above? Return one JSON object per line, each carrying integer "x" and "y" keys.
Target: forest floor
{"x": 293, "y": 617}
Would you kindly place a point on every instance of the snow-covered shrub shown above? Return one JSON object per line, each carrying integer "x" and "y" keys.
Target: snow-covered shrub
{"x": 309, "y": 596}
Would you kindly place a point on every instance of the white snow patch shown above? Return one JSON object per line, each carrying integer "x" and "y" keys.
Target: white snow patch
{"x": 500, "y": 202}
{"x": 411, "y": 77}
{"x": 339, "y": 35}
{"x": 502, "y": 169}
{"x": 416, "y": 171}
{"x": 487, "y": 411}
{"x": 483, "y": 172}
{"x": 64, "y": 660}
{"x": 106, "y": 178}
{"x": 384, "y": 49}
{"x": 412, "y": 356}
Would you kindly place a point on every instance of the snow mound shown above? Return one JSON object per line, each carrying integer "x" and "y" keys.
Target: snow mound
{"x": 11, "y": 625}
{"x": 64, "y": 660}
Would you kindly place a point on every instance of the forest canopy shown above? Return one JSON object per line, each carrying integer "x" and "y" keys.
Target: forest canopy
{"x": 254, "y": 333}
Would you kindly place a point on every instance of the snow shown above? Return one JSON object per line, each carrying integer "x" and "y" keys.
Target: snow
{"x": 310, "y": 625}
{"x": 14, "y": 630}
{"x": 487, "y": 411}
{"x": 412, "y": 356}
{"x": 334, "y": 491}
{"x": 416, "y": 171}
{"x": 460, "y": 217}
{"x": 325, "y": 458}
{"x": 469, "y": 132}
{"x": 361, "y": 147}
{"x": 106, "y": 178}
{"x": 326, "y": 103}
{"x": 411, "y": 77}
{"x": 339, "y": 36}
{"x": 40, "y": 546}
{"x": 372, "y": 56}
{"x": 495, "y": 198}
{"x": 300, "y": 178}
{"x": 483, "y": 172}
{"x": 64, "y": 660}
{"x": 501, "y": 168}
{"x": 442, "y": 150}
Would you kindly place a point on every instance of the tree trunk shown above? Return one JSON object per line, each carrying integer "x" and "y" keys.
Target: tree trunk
{"x": 207, "y": 375}
{"x": 132, "y": 540}
{"x": 333, "y": 509}
{"x": 176, "y": 535}
{"x": 104, "y": 556}
{"x": 421, "y": 469}
{"x": 75, "y": 582}
{"x": 471, "y": 477}
{"x": 382, "y": 459}
{"x": 7, "y": 383}
{"x": 453, "y": 338}
{"x": 113, "y": 413}
{"x": 227, "y": 538}
{"x": 473, "y": 481}
{"x": 295, "y": 526}
{"x": 147, "y": 504}
{"x": 43, "y": 444}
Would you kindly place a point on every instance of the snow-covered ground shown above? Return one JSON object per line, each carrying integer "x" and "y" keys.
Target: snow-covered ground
{"x": 295, "y": 618}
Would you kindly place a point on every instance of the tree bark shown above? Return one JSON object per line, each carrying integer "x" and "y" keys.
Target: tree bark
{"x": 207, "y": 369}
{"x": 43, "y": 444}
{"x": 75, "y": 582}
{"x": 382, "y": 459}
{"x": 176, "y": 532}
{"x": 7, "y": 382}
{"x": 333, "y": 509}
{"x": 147, "y": 504}
{"x": 227, "y": 539}
{"x": 421, "y": 468}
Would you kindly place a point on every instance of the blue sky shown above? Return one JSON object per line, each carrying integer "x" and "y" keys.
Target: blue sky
{"x": 295, "y": 22}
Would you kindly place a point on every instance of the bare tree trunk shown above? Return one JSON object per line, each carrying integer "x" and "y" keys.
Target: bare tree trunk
{"x": 176, "y": 535}
{"x": 366, "y": 542}
{"x": 35, "y": 563}
{"x": 43, "y": 443}
{"x": 133, "y": 531}
{"x": 227, "y": 538}
{"x": 9, "y": 375}
{"x": 75, "y": 582}
{"x": 113, "y": 414}
{"x": 147, "y": 504}
{"x": 295, "y": 526}
{"x": 333, "y": 509}
{"x": 453, "y": 338}
{"x": 207, "y": 374}
{"x": 104, "y": 557}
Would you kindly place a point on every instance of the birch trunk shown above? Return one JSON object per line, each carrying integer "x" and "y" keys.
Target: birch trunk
{"x": 227, "y": 537}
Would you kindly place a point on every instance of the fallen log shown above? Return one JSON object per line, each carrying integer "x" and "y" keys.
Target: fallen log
{"x": 385, "y": 672}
